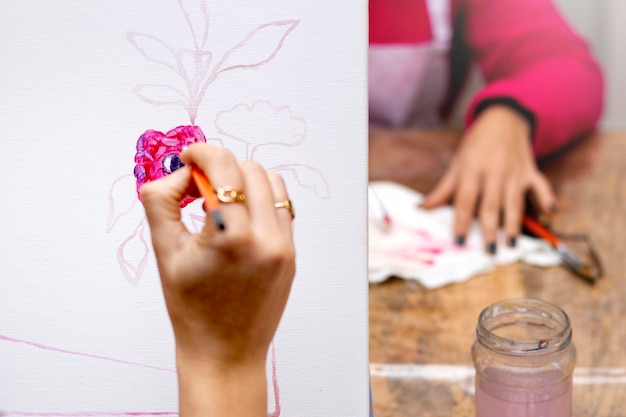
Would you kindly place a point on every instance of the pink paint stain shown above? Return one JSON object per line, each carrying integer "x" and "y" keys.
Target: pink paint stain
{"x": 410, "y": 254}
{"x": 422, "y": 233}
{"x": 431, "y": 249}
{"x": 434, "y": 245}
{"x": 420, "y": 247}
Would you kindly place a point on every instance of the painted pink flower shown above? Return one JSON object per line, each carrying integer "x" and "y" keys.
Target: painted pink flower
{"x": 157, "y": 154}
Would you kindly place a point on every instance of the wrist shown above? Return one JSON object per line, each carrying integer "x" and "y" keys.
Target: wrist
{"x": 213, "y": 388}
{"x": 507, "y": 118}
{"x": 509, "y": 106}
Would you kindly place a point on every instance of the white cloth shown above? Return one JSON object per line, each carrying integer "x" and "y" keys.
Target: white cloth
{"x": 419, "y": 244}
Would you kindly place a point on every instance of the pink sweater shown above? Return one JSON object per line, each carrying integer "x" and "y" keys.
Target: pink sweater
{"x": 525, "y": 51}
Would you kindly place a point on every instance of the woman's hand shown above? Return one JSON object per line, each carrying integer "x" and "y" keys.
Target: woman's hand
{"x": 225, "y": 291}
{"x": 489, "y": 176}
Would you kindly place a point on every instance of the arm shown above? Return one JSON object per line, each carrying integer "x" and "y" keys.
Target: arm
{"x": 543, "y": 89}
{"x": 528, "y": 53}
{"x": 225, "y": 291}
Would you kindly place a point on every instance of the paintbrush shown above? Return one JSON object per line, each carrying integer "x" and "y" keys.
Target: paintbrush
{"x": 569, "y": 258}
{"x": 377, "y": 208}
{"x": 211, "y": 203}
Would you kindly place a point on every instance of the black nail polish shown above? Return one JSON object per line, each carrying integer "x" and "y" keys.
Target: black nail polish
{"x": 460, "y": 240}
{"x": 512, "y": 241}
{"x": 491, "y": 248}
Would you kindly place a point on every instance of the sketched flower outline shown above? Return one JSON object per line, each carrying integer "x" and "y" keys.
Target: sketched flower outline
{"x": 289, "y": 130}
{"x": 194, "y": 66}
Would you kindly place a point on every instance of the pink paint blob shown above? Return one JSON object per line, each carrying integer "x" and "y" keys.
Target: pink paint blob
{"x": 157, "y": 154}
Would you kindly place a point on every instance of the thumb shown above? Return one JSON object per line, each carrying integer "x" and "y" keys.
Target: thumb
{"x": 161, "y": 201}
{"x": 540, "y": 186}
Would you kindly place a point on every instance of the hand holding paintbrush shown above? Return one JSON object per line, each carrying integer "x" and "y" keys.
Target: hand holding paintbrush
{"x": 225, "y": 288}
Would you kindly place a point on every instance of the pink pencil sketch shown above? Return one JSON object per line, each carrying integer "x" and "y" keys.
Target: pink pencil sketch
{"x": 103, "y": 413}
{"x": 242, "y": 124}
{"x": 198, "y": 67}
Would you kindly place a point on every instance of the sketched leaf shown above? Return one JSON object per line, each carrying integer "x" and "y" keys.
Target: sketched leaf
{"x": 122, "y": 198}
{"x": 197, "y": 17}
{"x": 194, "y": 66}
{"x": 153, "y": 49}
{"x": 258, "y": 47}
{"x": 160, "y": 94}
{"x": 132, "y": 254}
{"x": 244, "y": 122}
{"x": 307, "y": 177}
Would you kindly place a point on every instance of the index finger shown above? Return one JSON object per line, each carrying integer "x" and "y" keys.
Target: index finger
{"x": 222, "y": 170}
{"x": 465, "y": 198}
{"x": 161, "y": 200}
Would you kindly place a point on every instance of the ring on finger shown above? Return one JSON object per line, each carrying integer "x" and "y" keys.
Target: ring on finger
{"x": 288, "y": 205}
{"x": 229, "y": 194}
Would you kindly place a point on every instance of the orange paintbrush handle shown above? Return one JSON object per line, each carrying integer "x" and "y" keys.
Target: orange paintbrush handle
{"x": 540, "y": 231}
{"x": 210, "y": 198}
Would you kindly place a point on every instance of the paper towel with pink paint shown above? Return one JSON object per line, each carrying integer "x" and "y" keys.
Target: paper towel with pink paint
{"x": 419, "y": 245}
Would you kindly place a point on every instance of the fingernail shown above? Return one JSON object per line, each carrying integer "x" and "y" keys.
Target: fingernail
{"x": 460, "y": 240}
{"x": 512, "y": 241}
{"x": 491, "y": 248}
{"x": 543, "y": 219}
{"x": 553, "y": 208}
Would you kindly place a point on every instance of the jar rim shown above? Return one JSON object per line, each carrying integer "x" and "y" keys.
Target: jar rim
{"x": 552, "y": 317}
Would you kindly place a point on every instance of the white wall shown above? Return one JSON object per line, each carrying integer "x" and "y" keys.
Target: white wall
{"x": 602, "y": 23}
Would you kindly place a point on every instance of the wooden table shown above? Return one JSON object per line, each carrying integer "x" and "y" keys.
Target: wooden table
{"x": 420, "y": 339}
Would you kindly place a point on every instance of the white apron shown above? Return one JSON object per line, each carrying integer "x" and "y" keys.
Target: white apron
{"x": 408, "y": 83}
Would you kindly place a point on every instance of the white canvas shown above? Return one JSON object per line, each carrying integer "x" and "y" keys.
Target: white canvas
{"x": 83, "y": 328}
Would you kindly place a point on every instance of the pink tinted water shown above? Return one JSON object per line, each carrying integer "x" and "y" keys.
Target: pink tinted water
{"x": 541, "y": 395}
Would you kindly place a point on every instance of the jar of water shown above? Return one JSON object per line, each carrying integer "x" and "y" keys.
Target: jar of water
{"x": 524, "y": 359}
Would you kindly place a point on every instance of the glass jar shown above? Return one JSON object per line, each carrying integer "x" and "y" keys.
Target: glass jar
{"x": 524, "y": 359}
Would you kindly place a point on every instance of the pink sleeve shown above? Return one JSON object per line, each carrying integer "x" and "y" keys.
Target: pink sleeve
{"x": 528, "y": 53}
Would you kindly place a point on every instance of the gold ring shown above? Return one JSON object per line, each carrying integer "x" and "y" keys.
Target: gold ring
{"x": 230, "y": 195}
{"x": 288, "y": 205}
